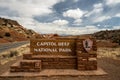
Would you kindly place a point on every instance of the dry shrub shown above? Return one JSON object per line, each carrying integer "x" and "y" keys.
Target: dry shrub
{"x": 13, "y": 53}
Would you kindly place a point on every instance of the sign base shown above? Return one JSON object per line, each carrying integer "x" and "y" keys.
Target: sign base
{"x": 54, "y": 72}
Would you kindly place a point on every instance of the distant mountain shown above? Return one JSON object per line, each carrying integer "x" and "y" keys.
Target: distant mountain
{"x": 11, "y": 30}
{"x": 111, "y": 35}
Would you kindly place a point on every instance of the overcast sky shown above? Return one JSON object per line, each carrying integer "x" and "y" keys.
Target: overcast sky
{"x": 72, "y": 17}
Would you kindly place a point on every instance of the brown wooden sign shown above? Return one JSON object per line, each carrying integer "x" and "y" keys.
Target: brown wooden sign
{"x": 53, "y": 46}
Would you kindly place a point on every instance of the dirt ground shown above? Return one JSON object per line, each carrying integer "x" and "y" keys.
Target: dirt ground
{"x": 108, "y": 64}
{"x": 112, "y": 67}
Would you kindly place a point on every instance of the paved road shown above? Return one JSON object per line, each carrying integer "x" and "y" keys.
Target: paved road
{"x": 6, "y": 46}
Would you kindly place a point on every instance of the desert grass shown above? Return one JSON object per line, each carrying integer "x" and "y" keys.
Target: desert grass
{"x": 13, "y": 53}
{"x": 109, "y": 52}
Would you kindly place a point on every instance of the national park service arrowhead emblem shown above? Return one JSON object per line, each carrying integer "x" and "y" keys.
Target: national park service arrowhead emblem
{"x": 87, "y": 44}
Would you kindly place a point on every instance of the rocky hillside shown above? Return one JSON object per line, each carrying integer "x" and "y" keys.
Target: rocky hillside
{"x": 109, "y": 35}
{"x": 11, "y": 31}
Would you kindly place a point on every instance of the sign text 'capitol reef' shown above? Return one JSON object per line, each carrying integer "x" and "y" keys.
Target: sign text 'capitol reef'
{"x": 52, "y": 46}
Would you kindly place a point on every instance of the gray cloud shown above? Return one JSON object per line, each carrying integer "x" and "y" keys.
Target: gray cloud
{"x": 63, "y": 16}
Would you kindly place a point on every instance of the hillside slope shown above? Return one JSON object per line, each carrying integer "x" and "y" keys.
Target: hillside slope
{"x": 108, "y": 35}
{"x": 11, "y": 31}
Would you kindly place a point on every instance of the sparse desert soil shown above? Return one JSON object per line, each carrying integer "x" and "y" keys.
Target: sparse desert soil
{"x": 109, "y": 64}
{"x": 109, "y": 52}
{"x": 6, "y": 55}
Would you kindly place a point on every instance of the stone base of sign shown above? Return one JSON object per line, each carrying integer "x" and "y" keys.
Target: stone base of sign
{"x": 27, "y": 56}
{"x": 83, "y": 62}
{"x": 26, "y": 66}
{"x": 54, "y": 72}
{"x": 86, "y": 60}
{"x": 57, "y": 62}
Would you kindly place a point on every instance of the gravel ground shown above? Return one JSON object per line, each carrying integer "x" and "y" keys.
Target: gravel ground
{"x": 111, "y": 66}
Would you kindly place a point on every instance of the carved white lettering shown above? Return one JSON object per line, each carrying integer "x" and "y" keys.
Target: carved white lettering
{"x": 46, "y": 44}
{"x": 45, "y": 50}
{"x": 65, "y": 50}
{"x": 63, "y": 44}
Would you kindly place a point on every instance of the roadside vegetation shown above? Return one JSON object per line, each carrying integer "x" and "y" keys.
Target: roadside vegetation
{"x": 12, "y": 54}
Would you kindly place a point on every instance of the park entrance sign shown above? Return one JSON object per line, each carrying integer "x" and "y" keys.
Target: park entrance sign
{"x": 53, "y": 47}
{"x": 59, "y": 53}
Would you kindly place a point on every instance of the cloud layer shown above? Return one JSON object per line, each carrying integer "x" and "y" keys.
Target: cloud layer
{"x": 71, "y": 17}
